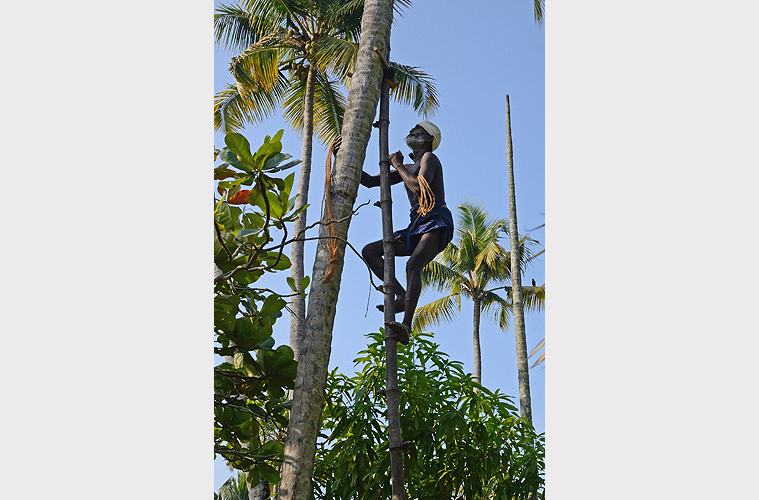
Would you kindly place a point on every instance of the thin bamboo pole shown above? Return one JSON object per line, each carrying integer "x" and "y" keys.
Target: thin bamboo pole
{"x": 392, "y": 393}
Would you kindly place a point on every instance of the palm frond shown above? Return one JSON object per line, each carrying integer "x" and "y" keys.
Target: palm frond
{"x": 235, "y": 28}
{"x": 292, "y": 104}
{"x": 493, "y": 261}
{"x": 540, "y": 6}
{"x": 344, "y": 18}
{"x": 436, "y": 312}
{"x": 415, "y": 88}
{"x": 258, "y": 65}
{"x": 441, "y": 277}
{"x": 335, "y": 55}
{"x": 536, "y": 255}
{"x": 232, "y": 110}
{"x": 542, "y": 357}
{"x": 279, "y": 12}
{"x": 526, "y": 245}
{"x": 399, "y": 6}
{"x": 329, "y": 109}
{"x": 534, "y": 297}
{"x": 497, "y": 308}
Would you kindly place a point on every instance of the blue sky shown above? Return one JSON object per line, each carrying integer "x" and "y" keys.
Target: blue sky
{"x": 474, "y": 69}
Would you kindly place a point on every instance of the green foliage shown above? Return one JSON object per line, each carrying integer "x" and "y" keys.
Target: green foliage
{"x": 235, "y": 488}
{"x": 278, "y": 42}
{"x": 250, "y": 387}
{"x": 466, "y": 440}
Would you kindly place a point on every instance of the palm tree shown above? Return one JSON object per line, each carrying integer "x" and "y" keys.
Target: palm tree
{"x": 310, "y": 382}
{"x": 315, "y": 42}
{"x": 476, "y": 268}
{"x": 235, "y": 488}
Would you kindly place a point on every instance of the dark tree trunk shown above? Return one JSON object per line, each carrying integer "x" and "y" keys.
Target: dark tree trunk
{"x": 392, "y": 392}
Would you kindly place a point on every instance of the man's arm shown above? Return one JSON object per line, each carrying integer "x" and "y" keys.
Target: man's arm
{"x": 366, "y": 179}
{"x": 374, "y": 180}
{"x": 426, "y": 169}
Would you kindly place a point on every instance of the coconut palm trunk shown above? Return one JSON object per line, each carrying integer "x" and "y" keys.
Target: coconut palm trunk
{"x": 476, "y": 342}
{"x": 523, "y": 370}
{"x": 298, "y": 304}
{"x": 308, "y": 395}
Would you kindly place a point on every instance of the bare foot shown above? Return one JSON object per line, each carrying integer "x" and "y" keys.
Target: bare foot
{"x": 400, "y": 331}
{"x": 400, "y": 306}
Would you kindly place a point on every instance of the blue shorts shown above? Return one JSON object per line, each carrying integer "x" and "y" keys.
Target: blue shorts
{"x": 439, "y": 218}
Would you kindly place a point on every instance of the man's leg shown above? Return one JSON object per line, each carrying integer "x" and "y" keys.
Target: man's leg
{"x": 425, "y": 251}
{"x": 373, "y": 254}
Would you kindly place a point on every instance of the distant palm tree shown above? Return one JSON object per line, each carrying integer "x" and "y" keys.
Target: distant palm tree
{"x": 235, "y": 488}
{"x": 476, "y": 268}
{"x": 296, "y": 52}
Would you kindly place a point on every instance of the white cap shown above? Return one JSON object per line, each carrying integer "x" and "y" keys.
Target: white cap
{"x": 431, "y": 129}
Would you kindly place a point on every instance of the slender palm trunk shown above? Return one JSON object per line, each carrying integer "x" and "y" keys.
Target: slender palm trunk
{"x": 298, "y": 304}
{"x": 476, "y": 342}
{"x": 523, "y": 369}
{"x": 308, "y": 396}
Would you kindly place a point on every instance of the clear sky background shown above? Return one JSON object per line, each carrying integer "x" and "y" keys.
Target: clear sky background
{"x": 106, "y": 317}
{"x": 474, "y": 69}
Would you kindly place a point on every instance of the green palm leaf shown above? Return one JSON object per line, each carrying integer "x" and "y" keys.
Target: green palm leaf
{"x": 258, "y": 65}
{"x": 232, "y": 110}
{"x": 441, "y": 277}
{"x": 436, "y": 312}
{"x": 235, "y": 28}
{"x": 335, "y": 55}
{"x": 534, "y": 297}
{"x": 497, "y": 308}
{"x": 415, "y": 88}
{"x": 329, "y": 109}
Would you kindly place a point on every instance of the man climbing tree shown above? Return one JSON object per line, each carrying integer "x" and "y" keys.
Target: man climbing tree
{"x": 431, "y": 226}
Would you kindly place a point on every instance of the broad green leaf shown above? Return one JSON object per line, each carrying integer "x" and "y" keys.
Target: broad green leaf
{"x": 224, "y": 313}
{"x": 241, "y": 147}
{"x": 287, "y": 165}
{"x": 249, "y": 332}
{"x": 272, "y": 305}
{"x": 275, "y": 160}
{"x": 222, "y": 172}
{"x": 252, "y": 477}
{"x": 223, "y": 216}
{"x": 268, "y": 473}
{"x": 231, "y": 158}
{"x": 271, "y": 447}
{"x": 252, "y": 220}
{"x": 266, "y": 344}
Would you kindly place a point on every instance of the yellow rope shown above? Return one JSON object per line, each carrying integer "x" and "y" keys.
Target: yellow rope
{"x": 331, "y": 244}
{"x": 426, "y": 197}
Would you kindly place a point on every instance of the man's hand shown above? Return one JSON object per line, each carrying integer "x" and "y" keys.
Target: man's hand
{"x": 396, "y": 159}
